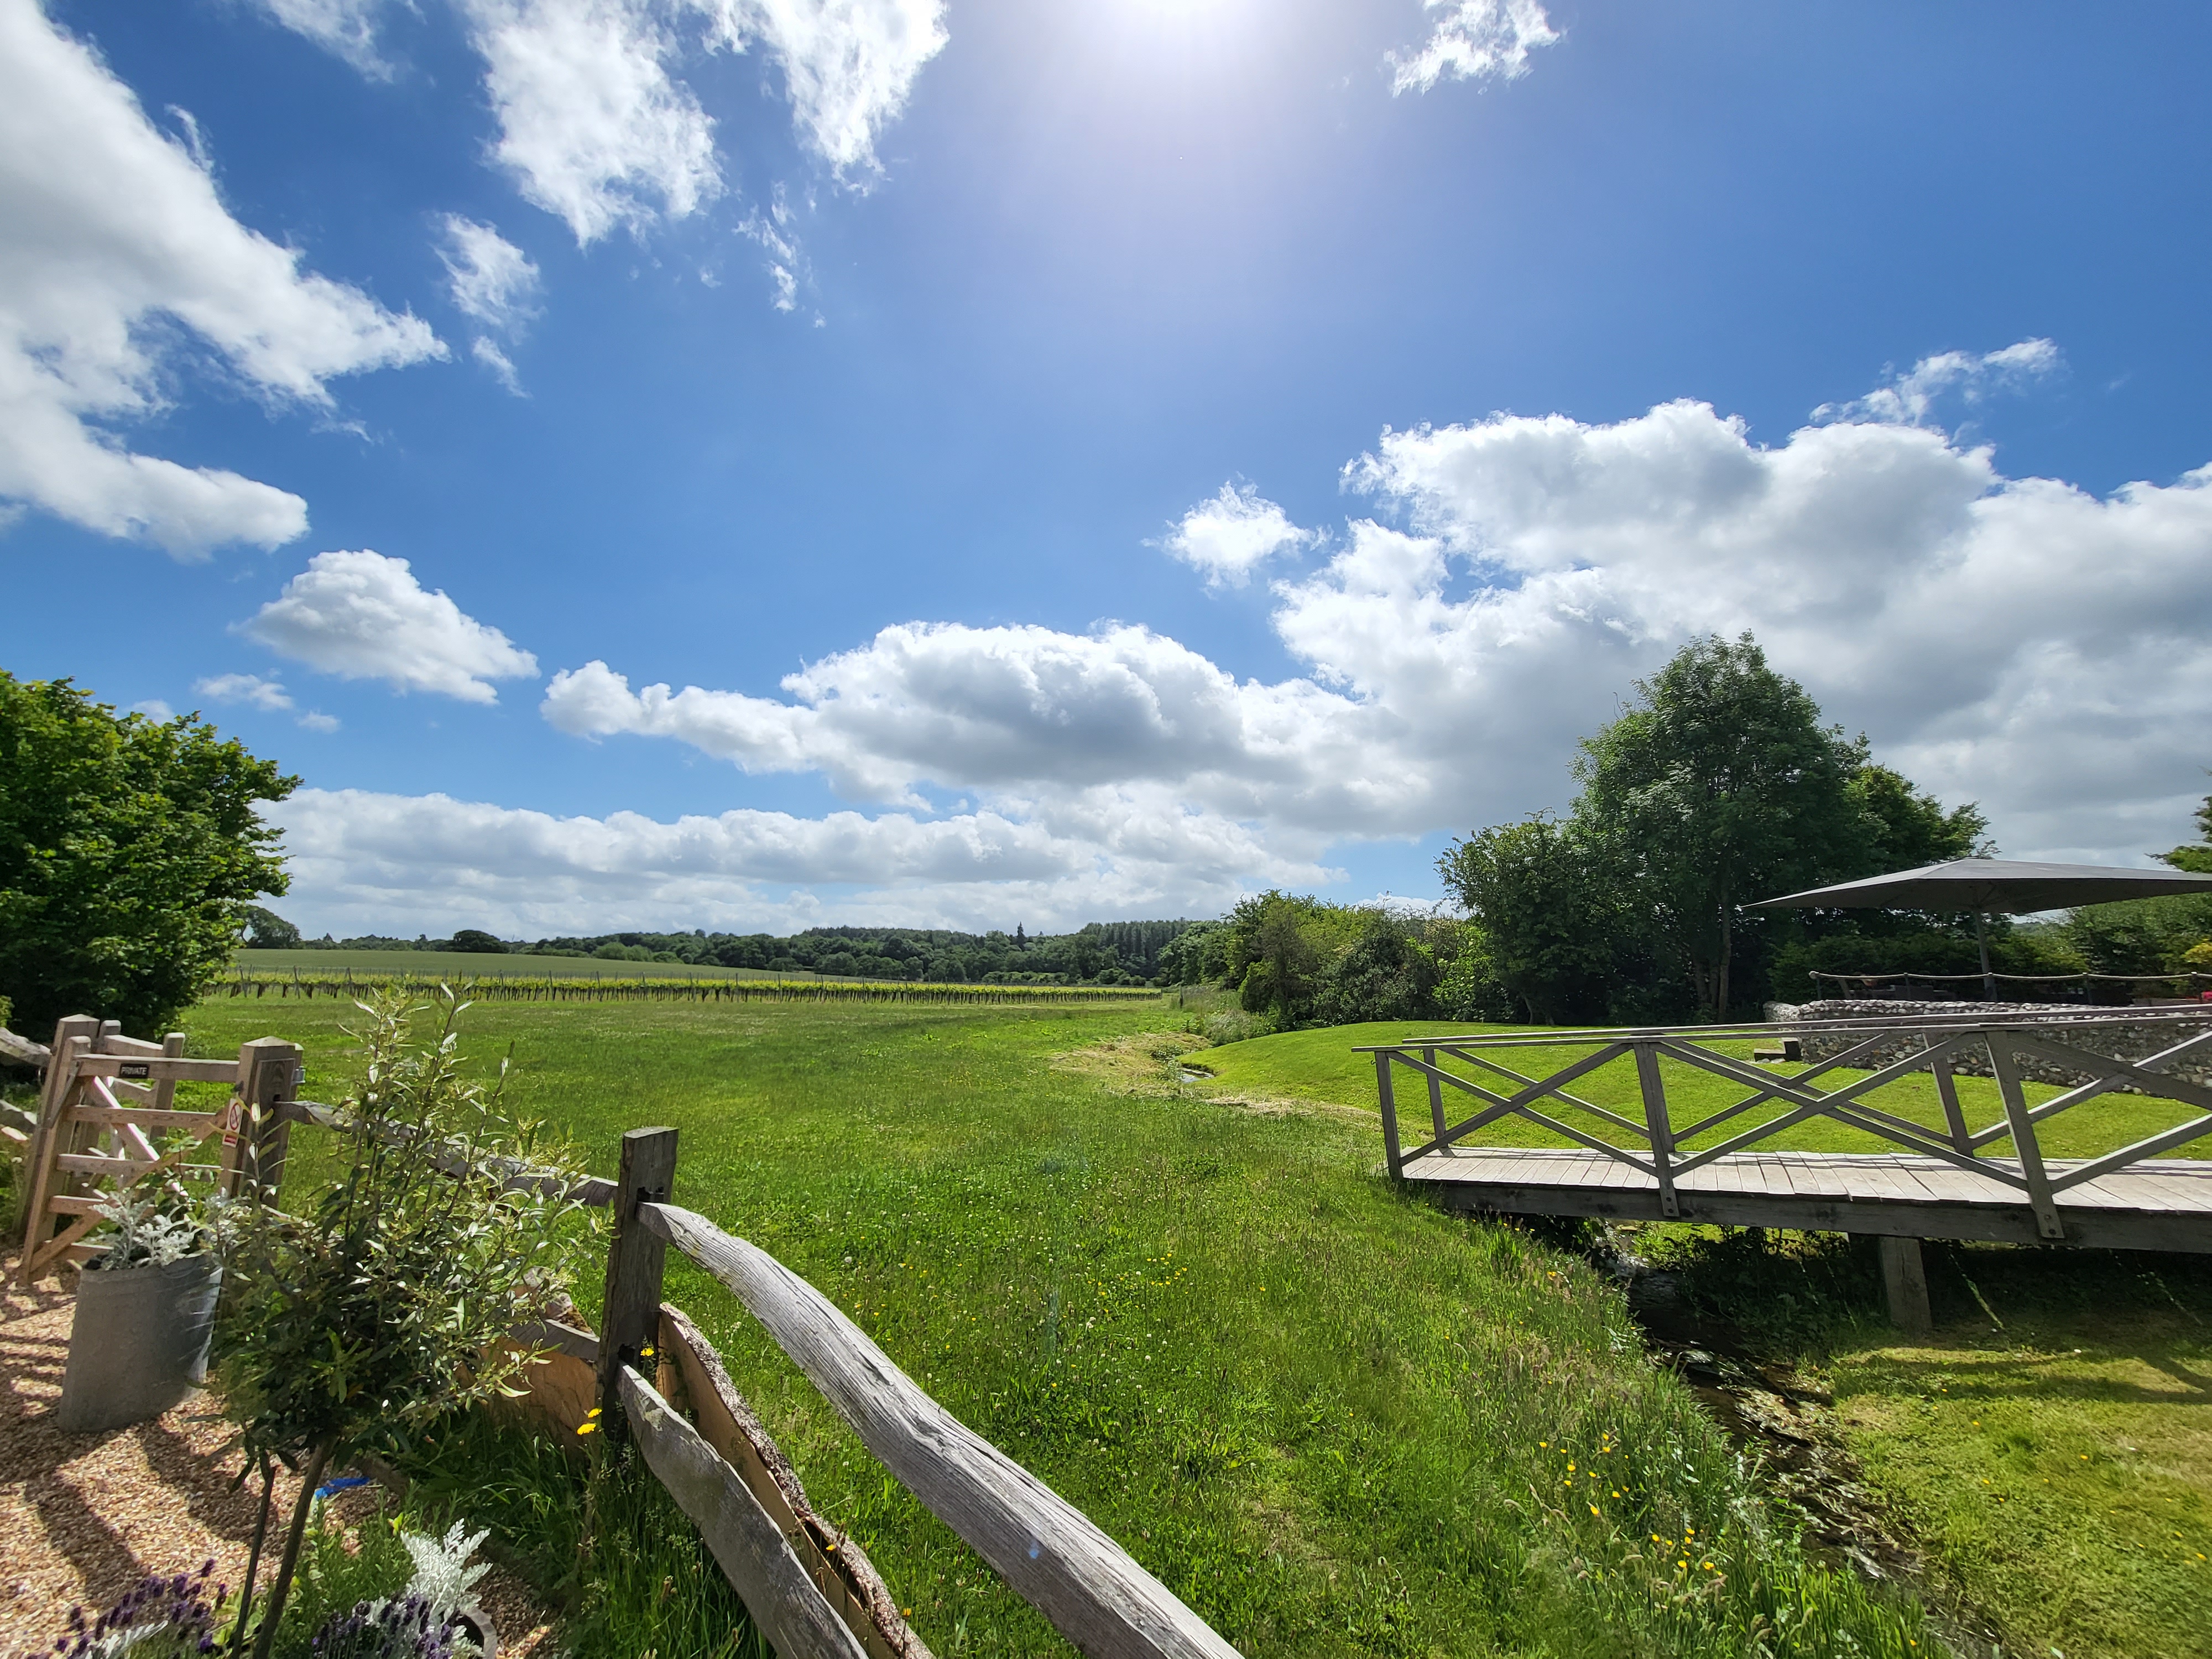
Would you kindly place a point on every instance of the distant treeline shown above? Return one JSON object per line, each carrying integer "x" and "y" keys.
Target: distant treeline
{"x": 1101, "y": 953}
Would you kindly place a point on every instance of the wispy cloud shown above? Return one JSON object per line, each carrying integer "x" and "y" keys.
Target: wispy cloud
{"x": 848, "y": 65}
{"x": 347, "y": 28}
{"x": 1473, "y": 40}
{"x": 1909, "y": 398}
{"x": 252, "y": 689}
{"x": 593, "y": 127}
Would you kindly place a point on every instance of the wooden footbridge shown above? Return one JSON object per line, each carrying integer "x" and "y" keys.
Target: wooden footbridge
{"x": 1939, "y": 1183}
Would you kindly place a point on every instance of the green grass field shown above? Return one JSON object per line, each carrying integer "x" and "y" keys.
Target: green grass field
{"x": 1332, "y": 1418}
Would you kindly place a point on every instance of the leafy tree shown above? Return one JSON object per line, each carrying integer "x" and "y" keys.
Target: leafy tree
{"x": 2196, "y": 858}
{"x": 1276, "y": 945}
{"x": 1907, "y": 828}
{"x": 1551, "y": 919}
{"x": 127, "y": 847}
{"x": 1723, "y": 787}
{"x": 1387, "y": 974}
{"x": 1193, "y": 956}
{"x": 477, "y": 942}
{"x": 267, "y": 930}
{"x": 371, "y": 1317}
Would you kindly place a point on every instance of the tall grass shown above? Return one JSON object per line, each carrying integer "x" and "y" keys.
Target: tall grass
{"x": 597, "y": 1536}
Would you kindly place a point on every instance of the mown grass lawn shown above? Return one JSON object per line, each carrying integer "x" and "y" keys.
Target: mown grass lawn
{"x": 1332, "y": 1418}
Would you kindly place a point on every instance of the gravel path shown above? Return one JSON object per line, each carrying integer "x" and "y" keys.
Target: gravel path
{"x": 83, "y": 1516}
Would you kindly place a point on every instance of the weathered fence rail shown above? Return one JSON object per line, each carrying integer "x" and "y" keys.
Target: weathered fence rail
{"x": 1094, "y": 1593}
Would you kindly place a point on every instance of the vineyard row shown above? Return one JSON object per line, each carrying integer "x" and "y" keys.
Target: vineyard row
{"x": 518, "y": 988}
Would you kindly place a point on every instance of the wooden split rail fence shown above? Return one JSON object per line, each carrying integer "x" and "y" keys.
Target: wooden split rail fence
{"x": 653, "y": 1378}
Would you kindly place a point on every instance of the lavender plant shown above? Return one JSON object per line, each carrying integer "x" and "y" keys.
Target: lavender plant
{"x": 409, "y": 1628}
{"x": 155, "y": 1618}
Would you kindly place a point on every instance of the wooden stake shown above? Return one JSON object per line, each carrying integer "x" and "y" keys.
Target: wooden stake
{"x": 630, "y": 1316}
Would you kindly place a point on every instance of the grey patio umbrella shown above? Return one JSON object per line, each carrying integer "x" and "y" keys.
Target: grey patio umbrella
{"x": 2008, "y": 887}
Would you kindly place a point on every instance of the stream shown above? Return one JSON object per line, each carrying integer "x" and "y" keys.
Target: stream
{"x": 1784, "y": 1420}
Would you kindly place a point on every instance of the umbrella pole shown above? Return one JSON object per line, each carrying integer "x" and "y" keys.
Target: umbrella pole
{"x": 1982, "y": 939}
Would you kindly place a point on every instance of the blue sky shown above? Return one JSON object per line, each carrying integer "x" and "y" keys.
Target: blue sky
{"x": 1069, "y": 463}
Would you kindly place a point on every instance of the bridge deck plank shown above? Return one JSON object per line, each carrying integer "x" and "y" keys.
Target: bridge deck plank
{"x": 2157, "y": 1204}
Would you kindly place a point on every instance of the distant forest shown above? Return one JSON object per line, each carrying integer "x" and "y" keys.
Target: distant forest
{"x": 1102, "y": 953}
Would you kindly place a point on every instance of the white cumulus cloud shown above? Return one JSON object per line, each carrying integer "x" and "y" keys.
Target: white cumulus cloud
{"x": 249, "y": 688}
{"x": 1527, "y": 570}
{"x": 362, "y": 860}
{"x": 364, "y": 617}
{"x": 1230, "y": 535}
{"x": 2017, "y": 640}
{"x": 1473, "y": 40}
{"x": 111, "y": 229}
{"x": 593, "y": 125}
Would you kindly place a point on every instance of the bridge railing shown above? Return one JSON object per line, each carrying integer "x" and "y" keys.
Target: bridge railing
{"x": 1867, "y": 1050}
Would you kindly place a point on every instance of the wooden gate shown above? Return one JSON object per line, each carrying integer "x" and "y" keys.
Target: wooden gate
{"x": 109, "y": 1099}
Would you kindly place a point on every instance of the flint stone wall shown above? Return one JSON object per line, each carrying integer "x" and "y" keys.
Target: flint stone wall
{"x": 2122, "y": 1040}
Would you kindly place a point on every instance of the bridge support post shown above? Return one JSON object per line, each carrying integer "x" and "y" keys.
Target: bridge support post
{"x": 1905, "y": 1280}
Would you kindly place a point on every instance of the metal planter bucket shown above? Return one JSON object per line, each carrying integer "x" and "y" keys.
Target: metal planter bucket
{"x": 139, "y": 1343}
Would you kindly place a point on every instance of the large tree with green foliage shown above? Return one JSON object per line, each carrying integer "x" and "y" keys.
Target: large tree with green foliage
{"x": 2195, "y": 857}
{"x": 127, "y": 847}
{"x": 1551, "y": 920}
{"x": 1721, "y": 787}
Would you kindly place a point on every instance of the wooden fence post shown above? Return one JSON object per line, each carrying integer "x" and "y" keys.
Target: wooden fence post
{"x": 630, "y": 1318}
{"x": 269, "y": 1070}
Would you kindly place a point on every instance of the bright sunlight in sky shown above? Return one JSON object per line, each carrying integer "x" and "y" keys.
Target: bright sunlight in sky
{"x": 750, "y": 464}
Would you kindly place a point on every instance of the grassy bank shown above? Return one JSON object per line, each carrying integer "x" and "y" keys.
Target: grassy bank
{"x": 2048, "y": 1447}
{"x": 1333, "y": 1419}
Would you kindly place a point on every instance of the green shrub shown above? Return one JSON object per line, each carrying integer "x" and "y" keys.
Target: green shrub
{"x": 371, "y": 1317}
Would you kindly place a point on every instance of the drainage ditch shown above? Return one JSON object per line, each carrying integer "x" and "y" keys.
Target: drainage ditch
{"x": 1785, "y": 1420}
